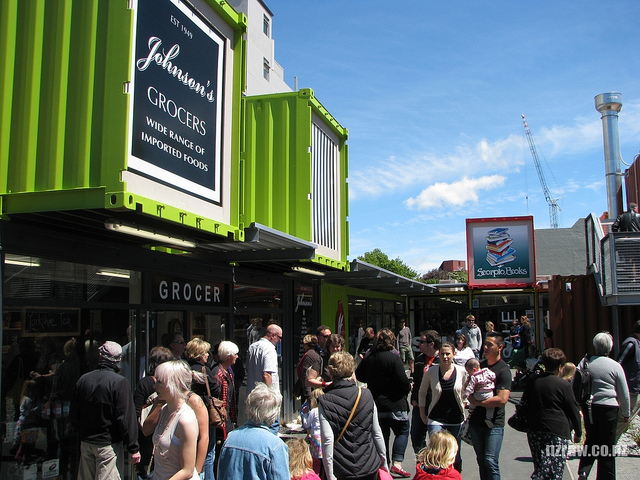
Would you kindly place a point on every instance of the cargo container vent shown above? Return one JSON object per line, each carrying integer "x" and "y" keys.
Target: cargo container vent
{"x": 325, "y": 162}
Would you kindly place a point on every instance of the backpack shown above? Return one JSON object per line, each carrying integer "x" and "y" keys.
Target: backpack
{"x": 582, "y": 382}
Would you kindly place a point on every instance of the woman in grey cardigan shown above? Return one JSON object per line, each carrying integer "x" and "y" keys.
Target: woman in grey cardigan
{"x": 610, "y": 399}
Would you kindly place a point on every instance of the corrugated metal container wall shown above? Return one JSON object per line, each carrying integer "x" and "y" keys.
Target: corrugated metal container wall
{"x": 576, "y": 314}
{"x": 294, "y": 163}
{"x": 59, "y": 102}
{"x": 632, "y": 182}
{"x": 65, "y": 68}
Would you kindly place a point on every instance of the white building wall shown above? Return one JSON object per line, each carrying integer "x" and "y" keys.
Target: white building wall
{"x": 260, "y": 47}
{"x": 561, "y": 251}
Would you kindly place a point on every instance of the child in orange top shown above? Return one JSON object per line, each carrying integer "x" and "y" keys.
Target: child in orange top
{"x": 300, "y": 462}
{"x": 435, "y": 461}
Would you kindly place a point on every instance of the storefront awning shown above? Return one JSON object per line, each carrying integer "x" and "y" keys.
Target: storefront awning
{"x": 263, "y": 244}
{"x": 371, "y": 277}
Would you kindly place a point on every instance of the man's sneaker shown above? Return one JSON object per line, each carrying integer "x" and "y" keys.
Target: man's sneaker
{"x": 399, "y": 471}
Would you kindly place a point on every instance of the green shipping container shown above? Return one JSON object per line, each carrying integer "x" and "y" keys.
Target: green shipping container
{"x": 124, "y": 107}
{"x": 294, "y": 172}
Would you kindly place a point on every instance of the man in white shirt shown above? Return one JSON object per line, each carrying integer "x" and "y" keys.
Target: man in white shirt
{"x": 262, "y": 360}
{"x": 473, "y": 334}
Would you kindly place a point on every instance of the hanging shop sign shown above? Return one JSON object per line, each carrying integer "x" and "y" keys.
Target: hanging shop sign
{"x": 180, "y": 291}
{"x": 176, "y": 124}
{"x": 501, "y": 252}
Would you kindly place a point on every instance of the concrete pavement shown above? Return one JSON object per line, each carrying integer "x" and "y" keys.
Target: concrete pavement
{"x": 515, "y": 457}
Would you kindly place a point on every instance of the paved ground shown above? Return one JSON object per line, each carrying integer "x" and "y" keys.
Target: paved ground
{"x": 515, "y": 457}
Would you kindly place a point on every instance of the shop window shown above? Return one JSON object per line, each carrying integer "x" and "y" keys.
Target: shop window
{"x": 255, "y": 308}
{"x": 211, "y": 327}
{"x": 441, "y": 313}
{"x": 365, "y": 312}
{"x": 45, "y": 279}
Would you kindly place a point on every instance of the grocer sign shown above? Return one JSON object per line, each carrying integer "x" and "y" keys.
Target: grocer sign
{"x": 176, "y": 124}
{"x": 181, "y": 291}
{"x": 501, "y": 252}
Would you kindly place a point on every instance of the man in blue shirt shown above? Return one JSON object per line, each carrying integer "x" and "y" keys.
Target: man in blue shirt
{"x": 253, "y": 451}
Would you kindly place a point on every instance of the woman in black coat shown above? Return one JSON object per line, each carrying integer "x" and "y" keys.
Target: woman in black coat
{"x": 383, "y": 372}
{"x": 552, "y": 413}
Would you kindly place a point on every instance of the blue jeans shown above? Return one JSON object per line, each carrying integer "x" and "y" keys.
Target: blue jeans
{"x": 455, "y": 431}
{"x": 418, "y": 430}
{"x": 401, "y": 431}
{"x": 209, "y": 460}
{"x": 487, "y": 443}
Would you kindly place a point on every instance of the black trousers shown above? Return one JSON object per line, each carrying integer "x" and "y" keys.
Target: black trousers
{"x": 600, "y": 441}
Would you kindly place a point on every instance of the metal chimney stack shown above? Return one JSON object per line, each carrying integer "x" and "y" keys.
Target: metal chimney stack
{"x": 609, "y": 104}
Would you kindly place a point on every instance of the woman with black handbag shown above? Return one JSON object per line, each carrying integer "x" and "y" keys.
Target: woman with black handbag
{"x": 552, "y": 412}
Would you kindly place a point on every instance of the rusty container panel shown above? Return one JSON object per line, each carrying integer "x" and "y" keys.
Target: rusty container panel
{"x": 632, "y": 181}
{"x": 576, "y": 314}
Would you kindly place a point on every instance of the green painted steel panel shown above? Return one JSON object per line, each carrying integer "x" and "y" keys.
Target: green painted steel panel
{"x": 64, "y": 111}
{"x": 276, "y": 173}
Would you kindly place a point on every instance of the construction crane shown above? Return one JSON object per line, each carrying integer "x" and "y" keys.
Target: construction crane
{"x": 553, "y": 203}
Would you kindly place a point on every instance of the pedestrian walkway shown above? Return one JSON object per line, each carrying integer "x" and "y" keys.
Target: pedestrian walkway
{"x": 515, "y": 457}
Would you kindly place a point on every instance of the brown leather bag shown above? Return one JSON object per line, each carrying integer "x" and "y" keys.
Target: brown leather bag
{"x": 217, "y": 410}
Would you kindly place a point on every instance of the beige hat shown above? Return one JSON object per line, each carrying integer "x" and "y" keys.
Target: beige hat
{"x": 111, "y": 351}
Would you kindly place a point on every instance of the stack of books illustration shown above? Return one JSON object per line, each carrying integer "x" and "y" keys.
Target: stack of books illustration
{"x": 499, "y": 250}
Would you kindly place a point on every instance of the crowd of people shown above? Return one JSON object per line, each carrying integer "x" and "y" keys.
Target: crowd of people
{"x": 181, "y": 421}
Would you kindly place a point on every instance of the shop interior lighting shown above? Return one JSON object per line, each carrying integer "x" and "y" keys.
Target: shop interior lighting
{"x": 21, "y": 260}
{"x": 158, "y": 237}
{"x": 308, "y": 271}
{"x": 113, "y": 272}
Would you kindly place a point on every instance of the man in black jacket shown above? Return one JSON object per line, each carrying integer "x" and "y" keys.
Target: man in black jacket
{"x": 627, "y": 222}
{"x": 430, "y": 342}
{"x": 103, "y": 412}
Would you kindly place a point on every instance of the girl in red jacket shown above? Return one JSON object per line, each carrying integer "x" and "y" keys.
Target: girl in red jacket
{"x": 436, "y": 459}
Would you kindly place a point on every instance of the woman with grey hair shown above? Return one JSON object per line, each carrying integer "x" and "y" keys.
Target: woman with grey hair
{"x": 610, "y": 398}
{"x": 227, "y": 356}
{"x": 176, "y": 436}
{"x": 253, "y": 451}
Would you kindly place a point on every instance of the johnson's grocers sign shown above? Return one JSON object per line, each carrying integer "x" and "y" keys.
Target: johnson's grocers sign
{"x": 176, "y": 127}
{"x": 501, "y": 252}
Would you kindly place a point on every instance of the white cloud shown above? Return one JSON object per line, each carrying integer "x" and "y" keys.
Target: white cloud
{"x": 455, "y": 194}
{"x": 486, "y": 157}
{"x": 399, "y": 174}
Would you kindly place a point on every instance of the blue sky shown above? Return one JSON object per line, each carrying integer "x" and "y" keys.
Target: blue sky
{"x": 432, "y": 92}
